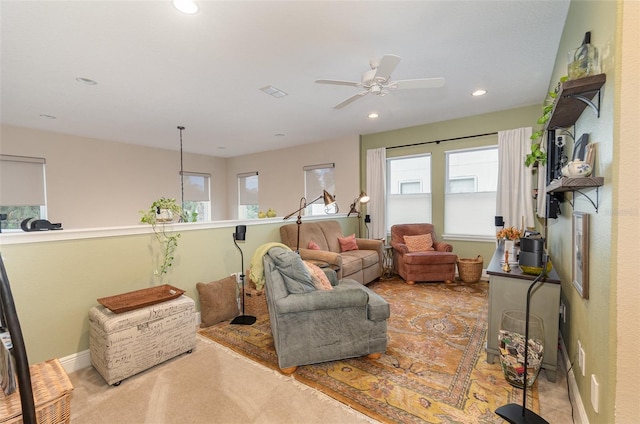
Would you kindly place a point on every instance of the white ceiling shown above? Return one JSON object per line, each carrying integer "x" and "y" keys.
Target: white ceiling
{"x": 157, "y": 68}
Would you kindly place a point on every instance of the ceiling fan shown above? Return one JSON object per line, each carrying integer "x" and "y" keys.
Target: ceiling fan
{"x": 378, "y": 80}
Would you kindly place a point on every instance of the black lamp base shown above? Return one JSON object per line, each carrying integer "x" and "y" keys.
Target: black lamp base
{"x": 513, "y": 414}
{"x": 243, "y": 320}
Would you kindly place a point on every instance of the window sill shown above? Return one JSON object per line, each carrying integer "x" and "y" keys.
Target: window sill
{"x": 469, "y": 237}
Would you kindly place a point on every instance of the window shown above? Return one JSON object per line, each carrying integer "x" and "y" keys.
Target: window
{"x": 248, "y": 195}
{"x": 22, "y": 190}
{"x": 408, "y": 189}
{"x": 197, "y": 200}
{"x": 318, "y": 178}
{"x": 472, "y": 179}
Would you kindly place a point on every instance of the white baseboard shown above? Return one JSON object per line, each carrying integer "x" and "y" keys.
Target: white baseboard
{"x": 80, "y": 360}
{"x": 579, "y": 413}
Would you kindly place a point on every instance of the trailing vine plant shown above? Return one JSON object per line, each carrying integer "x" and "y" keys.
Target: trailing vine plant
{"x": 537, "y": 153}
{"x": 160, "y": 213}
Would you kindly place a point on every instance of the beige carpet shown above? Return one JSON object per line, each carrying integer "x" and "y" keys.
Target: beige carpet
{"x": 210, "y": 385}
{"x": 434, "y": 369}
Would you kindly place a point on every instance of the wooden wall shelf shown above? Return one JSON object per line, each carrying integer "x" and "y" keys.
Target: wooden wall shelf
{"x": 575, "y": 184}
{"x": 574, "y": 96}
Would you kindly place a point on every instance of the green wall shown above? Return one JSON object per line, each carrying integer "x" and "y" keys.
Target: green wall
{"x": 55, "y": 283}
{"x": 479, "y": 124}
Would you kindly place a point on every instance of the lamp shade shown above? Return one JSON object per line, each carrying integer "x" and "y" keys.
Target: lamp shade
{"x": 364, "y": 198}
{"x": 241, "y": 231}
{"x": 328, "y": 199}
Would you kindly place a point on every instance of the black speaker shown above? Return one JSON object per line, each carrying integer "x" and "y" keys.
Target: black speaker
{"x": 241, "y": 231}
{"x": 553, "y": 205}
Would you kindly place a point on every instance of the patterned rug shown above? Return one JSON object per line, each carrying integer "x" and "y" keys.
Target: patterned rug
{"x": 435, "y": 367}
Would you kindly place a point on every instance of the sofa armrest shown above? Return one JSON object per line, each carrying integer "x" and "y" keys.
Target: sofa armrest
{"x": 369, "y": 244}
{"x": 339, "y": 297}
{"x": 442, "y": 247}
{"x": 331, "y": 258}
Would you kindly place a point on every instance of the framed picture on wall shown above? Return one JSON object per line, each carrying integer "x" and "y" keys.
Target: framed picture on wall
{"x": 580, "y": 259}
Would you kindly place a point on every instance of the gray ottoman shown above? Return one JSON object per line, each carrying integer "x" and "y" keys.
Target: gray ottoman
{"x": 125, "y": 344}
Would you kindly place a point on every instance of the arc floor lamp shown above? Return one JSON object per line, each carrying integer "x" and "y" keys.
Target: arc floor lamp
{"x": 329, "y": 205}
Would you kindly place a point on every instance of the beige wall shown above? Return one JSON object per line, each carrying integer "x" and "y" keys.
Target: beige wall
{"x": 479, "y": 124}
{"x": 94, "y": 183}
{"x": 281, "y": 177}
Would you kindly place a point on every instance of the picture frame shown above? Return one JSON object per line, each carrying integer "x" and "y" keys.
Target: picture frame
{"x": 580, "y": 253}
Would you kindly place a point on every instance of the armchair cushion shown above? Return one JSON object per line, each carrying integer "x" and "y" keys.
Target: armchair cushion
{"x": 419, "y": 243}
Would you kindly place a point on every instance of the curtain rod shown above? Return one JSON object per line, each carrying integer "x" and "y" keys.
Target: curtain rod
{"x": 440, "y": 141}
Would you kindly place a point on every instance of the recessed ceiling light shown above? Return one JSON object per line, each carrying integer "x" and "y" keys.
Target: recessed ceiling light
{"x": 279, "y": 135}
{"x": 479, "y": 93}
{"x": 86, "y": 81}
{"x": 373, "y": 115}
{"x": 44, "y": 115}
{"x": 186, "y": 6}
{"x": 273, "y": 91}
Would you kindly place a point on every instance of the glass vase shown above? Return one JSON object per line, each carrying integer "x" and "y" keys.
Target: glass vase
{"x": 511, "y": 345}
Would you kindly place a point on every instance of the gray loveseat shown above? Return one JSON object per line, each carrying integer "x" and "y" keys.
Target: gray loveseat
{"x": 363, "y": 265}
{"x": 311, "y": 326}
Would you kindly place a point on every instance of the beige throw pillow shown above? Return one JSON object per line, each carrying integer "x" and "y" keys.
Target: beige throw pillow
{"x": 421, "y": 243}
{"x": 218, "y": 301}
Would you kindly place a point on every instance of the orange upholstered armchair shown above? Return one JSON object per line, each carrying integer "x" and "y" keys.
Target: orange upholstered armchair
{"x": 419, "y": 256}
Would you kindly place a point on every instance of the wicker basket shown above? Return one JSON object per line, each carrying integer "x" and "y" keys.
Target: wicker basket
{"x": 51, "y": 394}
{"x": 470, "y": 270}
{"x": 255, "y": 302}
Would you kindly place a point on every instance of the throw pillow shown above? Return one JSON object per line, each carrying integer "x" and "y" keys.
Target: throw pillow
{"x": 421, "y": 243}
{"x": 218, "y": 301}
{"x": 348, "y": 243}
{"x": 313, "y": 245}
{"x": 319, "y": 278}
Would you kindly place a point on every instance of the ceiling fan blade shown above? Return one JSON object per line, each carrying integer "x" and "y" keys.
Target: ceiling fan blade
{"x": 351, "y": 99}
{"x": 417, "y": 83}
{"x": 339, "y": 82}
{"x": 386, "y": 66}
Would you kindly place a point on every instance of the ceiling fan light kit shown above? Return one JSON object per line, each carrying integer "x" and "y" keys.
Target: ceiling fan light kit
{"x": 377, "y": 80}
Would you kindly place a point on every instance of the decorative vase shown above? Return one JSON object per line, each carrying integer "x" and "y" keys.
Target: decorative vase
{"x": 511, "y": 344}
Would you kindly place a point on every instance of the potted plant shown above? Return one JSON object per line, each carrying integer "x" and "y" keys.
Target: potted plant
{"x": 537, "y": 154}
{"x": 160, "y": 213}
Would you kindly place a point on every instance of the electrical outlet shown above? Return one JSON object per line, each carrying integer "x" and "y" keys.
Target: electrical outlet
{"x": 563, "y": 312}
{"x": 581, "y": 358}
{"x": 595, "y": 393}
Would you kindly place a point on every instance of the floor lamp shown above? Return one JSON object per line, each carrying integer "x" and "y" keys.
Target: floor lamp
{"x": 328, "y": 201}
{"x": 241, "y": 231}
{"x": 514, "y": 413}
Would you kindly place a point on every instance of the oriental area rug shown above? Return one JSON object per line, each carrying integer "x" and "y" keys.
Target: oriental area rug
{"x": 434, "y": 369}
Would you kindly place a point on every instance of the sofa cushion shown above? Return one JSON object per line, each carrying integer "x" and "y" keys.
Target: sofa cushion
{"x": 351, "y": 263}
{"x": 295, "y": 274}
{"x": 348, "y": 243}
{"x": 419, "y": 243}
{"x": 218, "y": 301}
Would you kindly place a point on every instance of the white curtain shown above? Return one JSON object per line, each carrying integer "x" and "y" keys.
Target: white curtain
{"x": 514, "y": 200}
{"x": 376, "y": 189}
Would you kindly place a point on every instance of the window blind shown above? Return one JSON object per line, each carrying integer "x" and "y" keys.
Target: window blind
{"x": 248, "y": 188}
{"x": 196, "y": 186}
{"x": 22, "y": 181}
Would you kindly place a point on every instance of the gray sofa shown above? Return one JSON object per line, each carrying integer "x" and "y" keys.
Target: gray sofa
{"x": 311, "y": 326}
{"x": 363, "y": 265}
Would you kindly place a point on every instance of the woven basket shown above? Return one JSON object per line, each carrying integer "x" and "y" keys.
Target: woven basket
{"x": 255, "y": 302}
{"x": 470, "y": 270}
{"x": 51, "y": 393}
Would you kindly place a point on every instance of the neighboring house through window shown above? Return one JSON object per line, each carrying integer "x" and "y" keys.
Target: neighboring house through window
{"x": 197, "y": 196}
{"x": 248, "y": 195}
{"x": 22, "y": 190}
{"x": 408, "y": 189}
{"x": 472, "y": 179}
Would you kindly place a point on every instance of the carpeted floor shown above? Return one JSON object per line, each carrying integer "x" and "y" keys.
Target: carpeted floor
{"x": 434, "y": 369}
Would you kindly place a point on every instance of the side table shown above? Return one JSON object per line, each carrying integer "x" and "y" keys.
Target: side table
{"x": 387, "y": 265}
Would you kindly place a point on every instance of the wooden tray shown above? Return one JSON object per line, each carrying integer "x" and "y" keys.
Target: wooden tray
{"x": 140, "y": 298}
